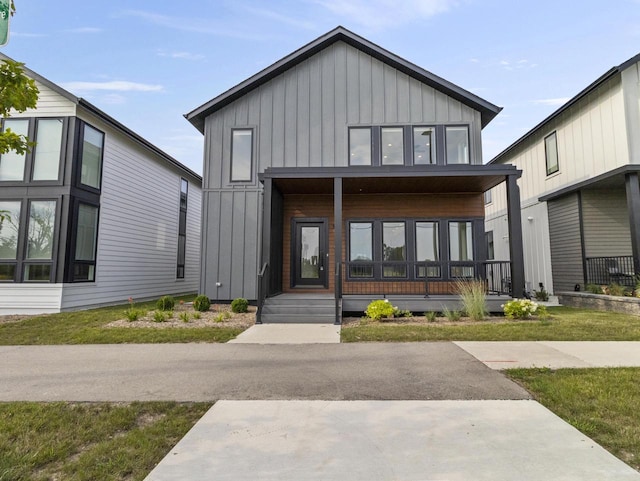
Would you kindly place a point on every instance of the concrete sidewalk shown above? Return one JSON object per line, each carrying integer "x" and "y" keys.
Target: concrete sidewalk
{"x": 554, "y": 354}
{"x": 385, "y": 441}
{"x": 289, "y": 334}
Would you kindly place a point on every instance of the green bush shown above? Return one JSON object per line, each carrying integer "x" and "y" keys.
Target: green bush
{"x": 201, "y": 303}
{"x": 520, "y": 308}
{"x": 240, "y": 305}
{"x": 159, "y": 316}
{"x": 184, "y": 316}
{"x": 431, "y": 316}
{"x": 541, "y": 295}
{"x": 617, "y": 290}
{"x": 402, "y": 313}
{"x": 593, "y": 288}
{"x": 452, "y": 316}
{"x": 473, "y": 296}
{"x": 165, "y": 303}
{"x": 380, "y": 309}
{"x": 133, "y": 314}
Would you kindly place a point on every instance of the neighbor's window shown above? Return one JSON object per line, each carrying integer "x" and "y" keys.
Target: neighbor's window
{"x": 424, "y": 145}
{"x": 360, "y": 146}
{"x": 488, "y": 240}
{"x": 182, "y": 229}
{"x": 551, "y": 153}
{"x": 457, "y": 142}
{"x": 361, "y": 249}
{"x": 92, "y": 147}
{"x": 46, "y": 160}
{"x": 394, "y": 248}
{"x": 11, "y": 163}
{"x": 9, "y": 231}
{"x": 84, "y": 268}
{"x": 427, "y": 248}
{"x": 241, "y": 155}
{"x": 42, "y": 221}
{"x": 487, "y": 197}
{"x": 392, "y": 147}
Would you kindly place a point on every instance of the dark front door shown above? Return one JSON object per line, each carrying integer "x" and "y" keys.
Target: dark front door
{"x": 309, "y": 256}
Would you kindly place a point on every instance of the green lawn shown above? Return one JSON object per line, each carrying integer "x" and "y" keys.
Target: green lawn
{"x": 86, "y": 327}
{"x": 602, "y": 403}
{"x": 90, "y": 441}
{"x": 564, "y": 324}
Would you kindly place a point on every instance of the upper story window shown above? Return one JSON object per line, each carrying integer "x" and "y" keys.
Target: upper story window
{"x": 91, "y": 156}
{"x": 424, "y": 145}
{"x": 487, "y": 197}
{"x": 392, "y": 145}
{"x": 360, "y": 146}
{"x": 46, "y": 153}
{"x": 241, "y": 155}
{"x": 488, "y": 241}
{"x": 12, "y": 164}
{"x": 457, "y": 140}
{"x": 551, "y": 153}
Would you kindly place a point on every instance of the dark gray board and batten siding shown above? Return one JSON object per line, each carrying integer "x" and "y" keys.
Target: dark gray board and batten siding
{"x": 566, "y": 242}
{"x": 301, "y": 119}
{"x": 606, "y": 223}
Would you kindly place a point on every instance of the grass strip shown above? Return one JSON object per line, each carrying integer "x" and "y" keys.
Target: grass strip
{"x": 602, "y": 403}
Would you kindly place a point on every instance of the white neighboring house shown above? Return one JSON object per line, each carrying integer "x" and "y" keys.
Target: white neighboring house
{"x": 579, "y": 188}
{"x": 96, "y": 214}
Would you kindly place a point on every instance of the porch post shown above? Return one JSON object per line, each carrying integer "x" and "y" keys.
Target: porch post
{"x": 337, "y": 240}
{"x": 633, "y": 207}
{"x": 515, "y": 236}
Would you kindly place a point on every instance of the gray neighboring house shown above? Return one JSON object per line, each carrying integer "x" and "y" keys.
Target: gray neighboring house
{"x": 341, "y": 174}
{"x": 581, "y": 198}
{"x": 96, "y": 214}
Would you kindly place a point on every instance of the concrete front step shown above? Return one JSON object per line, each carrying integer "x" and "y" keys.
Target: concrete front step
{"x": 298, "y": 309}
{"x": 297, "y": 319}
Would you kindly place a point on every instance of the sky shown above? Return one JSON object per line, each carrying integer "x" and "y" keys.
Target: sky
{"x": 147, "y": 63}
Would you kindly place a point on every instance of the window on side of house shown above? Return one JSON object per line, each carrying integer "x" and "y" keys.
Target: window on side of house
{"x": 91, "y": 157}
{"x": 182, "y": 229}
{"x": 392, "y": 145}
{"x": 461, "y": 248}
{"x": 38, "y": 264}
{"x": 424, "y": 146}
{"x": 487, "y": 197}
{"x": 551, "y": 153}
{"x": 46, "y": 153}
{"x": 9, "y": 232}
{"x": 12, "y": 164}
{"x": 427, "y": 248}
{"x": 84, "y": 261}
{"x": 457, "y": 144}
{"x": 241, "y": 155}
{"x": 360, "y": 146}
{"x": 488, "y": 240}
{"x": 361, "y": 249}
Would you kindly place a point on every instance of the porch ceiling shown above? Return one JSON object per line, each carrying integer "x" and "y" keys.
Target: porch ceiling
{"x": 385, "y": 185}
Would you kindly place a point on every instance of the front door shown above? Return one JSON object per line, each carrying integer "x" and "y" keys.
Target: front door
{"x": 309, "y": 255}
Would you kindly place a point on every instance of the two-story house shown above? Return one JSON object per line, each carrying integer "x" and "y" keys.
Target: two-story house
{"x": 581, "y": 200}
{"x": 344, "y": 173}
{"x": 94, "y": 214}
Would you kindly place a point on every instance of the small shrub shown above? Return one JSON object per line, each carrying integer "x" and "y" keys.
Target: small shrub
{"x": 520, "y": 308}
{"x": 452, "y": 316}
{"x": 380, "y": 309}
{"x": 201, "y": 303}
{"x": 132, "y": 313}
{"x": 184, "y": 316}
{"x": 402, "y": 313}
{"x": 240, "y": 305}
{"x": 594, "y": 289}
{"x": 431, "y": 316}
{"x": 226, "y": 315}
{"x": 473, "y": 296}
{"x": 616, "y": 290}
{"x": 159, "y": 316}
{"x": 541, "y": 295}
{"x": 165, "y": 303}
{"x": 219, "y": 317}
{"x": 197, "y": 315}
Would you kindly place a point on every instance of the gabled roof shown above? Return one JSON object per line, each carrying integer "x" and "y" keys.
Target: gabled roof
{"x": 106, "y": 118}
{"x": 487, "y": 110}
{"x": 613, "y": 71}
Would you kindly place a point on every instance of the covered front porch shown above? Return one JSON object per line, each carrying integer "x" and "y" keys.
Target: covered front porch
{"x": 353, "y": 235}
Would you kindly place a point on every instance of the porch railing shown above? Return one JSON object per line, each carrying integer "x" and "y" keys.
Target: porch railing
{"x": 422, "y": 278}
{"x": 610, "y": 270}
{"x": 263, "y": 288}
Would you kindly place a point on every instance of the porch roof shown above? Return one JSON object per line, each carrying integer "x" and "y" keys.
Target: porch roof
{"x": 614, "y": 179}
{"x": 390, "y": 179}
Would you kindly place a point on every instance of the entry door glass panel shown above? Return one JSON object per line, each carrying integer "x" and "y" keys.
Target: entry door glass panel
{"x": 310, "y": 252}
{"x": 309, "y": 244}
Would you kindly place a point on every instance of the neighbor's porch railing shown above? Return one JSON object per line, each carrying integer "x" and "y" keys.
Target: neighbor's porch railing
{"x": 422, "y": 278}
{"x": 610, "y": 270}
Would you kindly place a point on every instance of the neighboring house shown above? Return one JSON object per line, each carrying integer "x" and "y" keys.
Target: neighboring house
{"x": 96, "y": 214}
{"x": 581, "y": 200}
{"x": 343, "y": 173}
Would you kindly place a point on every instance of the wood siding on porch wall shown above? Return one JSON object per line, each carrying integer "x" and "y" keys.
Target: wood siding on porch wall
{"x": 371, "y": 206}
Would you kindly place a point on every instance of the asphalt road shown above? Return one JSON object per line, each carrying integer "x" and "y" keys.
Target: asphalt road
{"x": 207, "y": 372}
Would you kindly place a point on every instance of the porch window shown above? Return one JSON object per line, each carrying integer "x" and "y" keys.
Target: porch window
{"x": 12, "y": 163}
{"x": 461, "y": 248}
{"x": 392, "y": 140}
{"x": 360, "y": 146}
{"x": 427, "y": 248}
{"x": 457, "y": 142}
{"x": 361, "y": 249}
{"x": 9, "y": 231}
{"x": 551, "y": 153}
{"x": 40, "y": 237}
{"x": 241, "y": 155}
{"x": 424, "y": 145}
{"x": 394, "y": 249}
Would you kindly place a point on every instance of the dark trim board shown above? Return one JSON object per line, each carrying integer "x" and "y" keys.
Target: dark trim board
{"x": 592, "y": 182}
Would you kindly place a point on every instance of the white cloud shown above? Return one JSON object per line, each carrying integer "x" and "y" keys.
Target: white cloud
{"x": 552, "y": 102}
{"x": 85, "y": 30}
{"x": 114, "y": 85}
{"x": 278, "y": 17}
{"x": 375, "y": 13}
{"x": 181, "y": 55}
{"x": 27, "y": 35}
{"x": 113, "y": 99}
